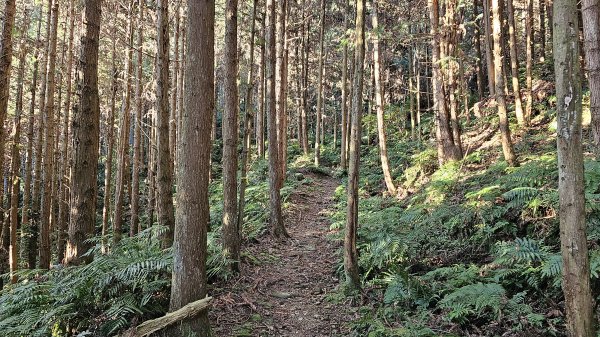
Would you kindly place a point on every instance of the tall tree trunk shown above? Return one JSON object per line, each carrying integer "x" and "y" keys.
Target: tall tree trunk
{"x": 479, "y": 60}
{"x": 304, "y": 78}
{"x": 345, "y": 115}
{"x": 514, "y": 64}
{"x": 575, "y": 267}
{"x": 86, "y": 137}
{"x": 591, "y": 34}
{"x": 489, "y": 45}
{"x": 123, "y": 170}
{"x": 276, "y": 219}
{"x": 27, "y": 232}
{"x": 48, "y": 161}
{"x": 542, "y": 4}
{"x": 350, "y": 249}
{"x": 385, "y": 166}
{"x": 507, "y": 148}
{"x": 63, "y": 197}
{"x": 6, "y": 51}
{"x": 190, "y": 246}
{"x": 231, "y": 233}
{"x": 529, "y": 60}
{"x": 248, "y": 115}
{"x": 446, "y": 148}
{"x": 164, "y": 172}
{"x": 318, "y": 134}
{"x": 137, "y": 125}
{"x": 260, "y": 116}
{"x": 15, "y": 157}
{"x": 280, "y": 88}
{"x": 174, "y": 93}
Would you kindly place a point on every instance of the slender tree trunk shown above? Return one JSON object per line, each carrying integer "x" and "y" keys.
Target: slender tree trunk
{"x": 189, "y": 245}
{"x": 86, "y": 137}
{"x": 15, "y": 157}
{"x": 281, "y": 88}
{"x": 507, "y": 148}
{"x": 48, "y": 161}
{"x": 514, "y": 64}
{"x": 542, "y": 4}
{"x": 249, "y": 113}
{"x": 63, "y": 197}
{"x": 579, "y": 306}
{"x": 174, "y": 93}
{"x": 591, "y": 34}
{"x": 479, "y": 60}
{"x": 164, "y": 172}
{"x": 6, "y": 51}
{"x": 385, "y": 166}
{"x": 276, "y": 219}
{"x": 27, "y": 232}
{"x": 529, "y": 60}
{"x": 350, "y": 250}
{"x": 137, "y": 125}
{"x": 260, "y": 116}
{"x": 318, "y": 134}
{"x": 231, "y": 233}
{"x": 304, "y": 89}
{"x": 489, "y": 45}
{"x": 123, "y": 167}
{"x": 345, "y": 115}
{"x": 446, "y": 148}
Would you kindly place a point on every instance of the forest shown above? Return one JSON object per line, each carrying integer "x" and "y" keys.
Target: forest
{"x": 299, "y": 168}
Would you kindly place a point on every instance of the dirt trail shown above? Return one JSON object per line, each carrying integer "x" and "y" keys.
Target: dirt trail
{"x": 284, "y": 284}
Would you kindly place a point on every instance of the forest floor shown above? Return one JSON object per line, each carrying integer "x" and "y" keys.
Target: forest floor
{"x": 285, "y": 285}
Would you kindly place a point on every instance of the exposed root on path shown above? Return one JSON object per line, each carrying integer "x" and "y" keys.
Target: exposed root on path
{"x": 283, "y": 287}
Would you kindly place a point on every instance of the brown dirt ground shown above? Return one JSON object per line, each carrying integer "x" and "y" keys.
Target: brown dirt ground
{"x": 284, "y": 284}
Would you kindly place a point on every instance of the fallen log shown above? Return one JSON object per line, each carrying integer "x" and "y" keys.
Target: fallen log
{"x": 189, "y": 310}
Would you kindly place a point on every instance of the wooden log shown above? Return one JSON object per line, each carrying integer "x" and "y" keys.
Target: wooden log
{"x": 189, "y": 310}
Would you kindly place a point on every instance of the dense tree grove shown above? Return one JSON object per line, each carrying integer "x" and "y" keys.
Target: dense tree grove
{"x": 433, "y": 163}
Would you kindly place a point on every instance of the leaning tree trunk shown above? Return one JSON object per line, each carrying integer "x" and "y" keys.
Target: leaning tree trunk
{"x": 507, "y": 147}
{"x": 350, "y": 250}
{"x": 86, "y": 137}
{"x": 574, "y": 247}
{"x": 231, "y": 233}
{"x": 591, "y": 34}
{"x": 385, "y": 166}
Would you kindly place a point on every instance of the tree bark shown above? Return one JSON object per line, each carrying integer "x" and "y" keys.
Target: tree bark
{"x": 591, "y": 35}
{"x": 580, "y": 320}
{"x": 231, "y": 233}
{"x": 350, "y": 250}
{"x": 137, "y": 125}
{"x": 276, "y": 219}
{"x": 319, "y": 121}
{"x": 507, "y": 148}
{"x": 514, "y": 64}
{"x": 164, "y": 172}
{"x": 48, "y": 160}
{"x": 345, "y": 114}
{"x": 86, "y": 137}
{"x": 385, "y": 166}
{"x": 529, "y": 60}
{"x": 189, "y": 245}
{"x": 489, "y": 46}
{"x": 260, "y": 116}
{"x": 249, "y": 113}
{"x": 280, "y": 88}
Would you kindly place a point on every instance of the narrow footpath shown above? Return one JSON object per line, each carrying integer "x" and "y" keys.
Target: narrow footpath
{"x": 284, "y": 284}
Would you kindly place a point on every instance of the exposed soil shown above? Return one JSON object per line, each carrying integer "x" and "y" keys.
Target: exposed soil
{"x": 284, "y": 284}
